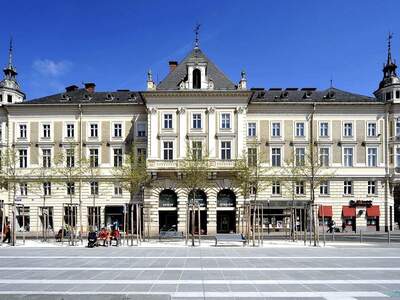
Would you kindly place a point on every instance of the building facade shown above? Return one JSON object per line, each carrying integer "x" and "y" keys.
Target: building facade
{"x": 355, "y": 139}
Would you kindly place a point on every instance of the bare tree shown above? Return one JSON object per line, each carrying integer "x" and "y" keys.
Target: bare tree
{"x": 194, "y": 177}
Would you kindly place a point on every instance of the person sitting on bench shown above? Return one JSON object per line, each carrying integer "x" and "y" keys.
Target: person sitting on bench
{"x": 104, "y": 236}
{"x": 115, "y": 235}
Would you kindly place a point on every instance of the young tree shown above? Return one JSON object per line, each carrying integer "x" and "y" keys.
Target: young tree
{"x": 132, "y": 175}
{"x": 251, "y": 180}
{"x": 194, "y": 170}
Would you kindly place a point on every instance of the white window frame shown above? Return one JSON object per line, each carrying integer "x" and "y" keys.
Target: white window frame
{"x": 66, "y": 157}
{"x": 117, "y": 189}
{"x": 368, "y": 157}
{"x": 228, "y": 150}
{"x": 170, "y": 122}
{"x": 348, "y": 184}
{"x": 372, "y": 187}
{"x": 276, "y": 188}
{"x": 320, "y": 156}
{"x": 42, "y": 157}
{"x": 328, "y": 130}
{"x": 18, "y": 129}
{"x": 344, "y": 164}
{"x": 280, "y": 156}
{"x": 324, "y": 188}
{"x": 42, "y": 126}
{"x": 297, "y": 131}
{"x": 300, "y": 188}
{"x": 27, "y": 158}
{"x": 344, "y": 130}
{"x": 300, "y": 153}
{"x": 367, "y": 134}
{"x": 280, "y": 129}
{"x": 114, "y": 137}
{"x": 70, "y": 187}
{"x": 168, "y": 149}
{"x": 66, "y": 124}
{"x": 397, "y": 157}
{"x": 397, "y": 127}
{"x": 252, "y": 129}
{"x": 89, "y": 130}
{"x": 113, "y": 156}
{"x": 98, "y": 155}
{"x": 226, "y": 123}
{"x": 195, "y": 123}
{"x": 47, "y": 188}
{"x": 23, "y": 189}
{"x": 94, "y": 187}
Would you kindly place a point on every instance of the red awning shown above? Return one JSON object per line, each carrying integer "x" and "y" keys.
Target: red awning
{"x": 373, "y": 211}
{"x": 325, "y": 211}
{"x": 349, "y": 212}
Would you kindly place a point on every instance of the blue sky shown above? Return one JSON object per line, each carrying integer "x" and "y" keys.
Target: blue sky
{"x": 278, "y": 43}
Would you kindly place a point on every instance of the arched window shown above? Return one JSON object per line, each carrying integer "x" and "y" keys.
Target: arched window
{"x": 201, "y": 198}
{"x": 196, "y": 79}
{"x": 168, "y": 198}
{"x": 226, "y": 198}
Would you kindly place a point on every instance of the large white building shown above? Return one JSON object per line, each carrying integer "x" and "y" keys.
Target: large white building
{"x": 356, "y": 138}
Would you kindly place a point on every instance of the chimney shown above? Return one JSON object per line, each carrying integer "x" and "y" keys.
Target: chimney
{"x": 71, "y": 88}
{"x": 172, "y": 65}
{"x": 90, "y": 87}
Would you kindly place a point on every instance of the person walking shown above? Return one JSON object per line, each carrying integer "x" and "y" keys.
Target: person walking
{"x": 344, "y": 227}
{"x": 7, "y": 233}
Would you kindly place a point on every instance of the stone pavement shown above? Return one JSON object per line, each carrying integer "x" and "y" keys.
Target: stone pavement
{"x": 348, "y": 272}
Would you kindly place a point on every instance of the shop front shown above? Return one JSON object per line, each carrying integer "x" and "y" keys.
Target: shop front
{"x": 373, "y": 214}
{"x": 226, "y": 211}
{"x": 325, "y": 216}
{"x": 200, "y": 198}
{"x": 349, "y": 218}
{"x": 167, "y": 211}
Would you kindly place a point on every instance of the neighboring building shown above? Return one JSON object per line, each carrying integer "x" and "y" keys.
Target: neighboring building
{"x": 356, "y": 139}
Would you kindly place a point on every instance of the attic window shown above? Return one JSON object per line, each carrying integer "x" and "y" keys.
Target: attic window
{"x": 132, "y": 97}
{"x": 196, "y": 79}
{"x": 65, "y": 98}
{"x": 331, "y": 95}
{"x": 86, "y": 97}
{"x": 284, "y": 94}
{"x": 307, "y": 94}
{"x": 110, "y": 97}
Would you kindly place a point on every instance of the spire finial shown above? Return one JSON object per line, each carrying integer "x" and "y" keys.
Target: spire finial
{"x": 197, "y": 32}
{"x": 389, "y": 58}
{"x": 10, "y": 49}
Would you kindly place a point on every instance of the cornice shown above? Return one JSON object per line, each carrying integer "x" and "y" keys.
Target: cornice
{"x": 204, "y": 93}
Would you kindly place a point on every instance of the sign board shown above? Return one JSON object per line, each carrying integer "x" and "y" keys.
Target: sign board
{"x": 365, "y": 203}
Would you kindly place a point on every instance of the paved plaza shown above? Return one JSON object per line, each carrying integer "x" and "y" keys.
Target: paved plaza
{"x": 338, "y": 271}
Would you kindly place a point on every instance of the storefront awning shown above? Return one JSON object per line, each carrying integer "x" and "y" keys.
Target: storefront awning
{"x": 325, "y": 211}
{"x": 373, "y": 211}
{"x": 349, "y": 212}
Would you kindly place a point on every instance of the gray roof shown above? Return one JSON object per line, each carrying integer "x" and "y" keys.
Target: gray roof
{"x": 84, "y": 97}
{"x": 309, "y": 95}
{"x": 171, "y": 82}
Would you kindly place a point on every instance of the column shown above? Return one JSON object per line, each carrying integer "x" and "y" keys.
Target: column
{"x": 211, "y": 132}
{"x": 211, "y": 212}
{"x": 182, "y": 200}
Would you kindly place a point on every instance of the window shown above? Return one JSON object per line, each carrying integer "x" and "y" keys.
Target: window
{"x": 276, "y": 157}
{"x": 197, "y": 150}
{"x": 70, "y": 130}
{"x": 276, "y": 129}
{"x": 117, "y": 130}
{"x": 323, "y": 129}
{"x": 348, "y": 130}
{"x": 251, "y": 129}
{"x": 141, "y": 129}
{"x": 23, "y": 188}
{"x": 94, "y": 130}
{"x": 388, "y": 95}
{"x": 225, "y": 150}
{"x": 46, "y": 131}
{"x": 324, "y": 188}
{"x": 168, "y": 150}
{"x": 348, "y": 157}
{"x": 22, "y": 131}
{"x": 94, "y": 188}
{"x": 141, "y": 154}
{"x": 371, "y": 129}
{"x": 371, "y": 187}
{"x": 300, "y": 156}
{"x": 398, "y": 157}
{"x": 9, "y": 98}
{"x": 94, "y": 157}
{"x": 397, "y": 94}
{"x": 23, "y": 158}
{"x": 196, "y": 121}
{"x": 47, "y": 188}
{"x": 70, "y": 188}
{"x": 300, "y": 129}
{"x": 276, "y": 188}
{"x": 46, "y": 158}
{"x": 117, "y": 189}
{"x": 167, "y": 121}
{"x": 252, "y": 157}
{"x": 324, "y": 157}
{"x": 117, "y": 157}
{"x": 398, "y": 127}
{"x": 70, "y": 158}
{"x": 372, "y": 157}
{"x": 225, "y": 121}
{"x": 348, "y": 187}
{"x": 196, "y": 79}
{"x": 300, "y": 189}
{"x": 1, "y": 98}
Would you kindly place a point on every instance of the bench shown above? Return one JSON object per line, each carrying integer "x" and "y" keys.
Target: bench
{"x": 229, "y": 237}
{"x": 170, "y": 234}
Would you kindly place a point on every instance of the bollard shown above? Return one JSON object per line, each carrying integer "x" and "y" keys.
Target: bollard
{"x": 360, "y": 236}
{"x": 389, "y": 237}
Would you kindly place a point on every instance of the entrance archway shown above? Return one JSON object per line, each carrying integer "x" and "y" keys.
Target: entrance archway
{"x": 226, "y": 211}
{"x": 167, "y": 210}
{"x": 201, "y": 199}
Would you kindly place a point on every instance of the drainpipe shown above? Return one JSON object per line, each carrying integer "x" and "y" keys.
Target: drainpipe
{"x": 80, "y": 168}
{"x": 386, "y": 155}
